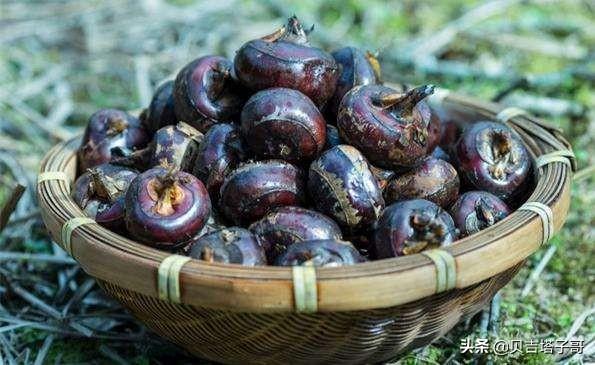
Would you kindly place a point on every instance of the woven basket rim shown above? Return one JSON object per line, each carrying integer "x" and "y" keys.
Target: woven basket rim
{"x": 376, "y": 284}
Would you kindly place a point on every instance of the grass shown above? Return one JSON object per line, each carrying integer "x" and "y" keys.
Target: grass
{"x": 60, "y": 61}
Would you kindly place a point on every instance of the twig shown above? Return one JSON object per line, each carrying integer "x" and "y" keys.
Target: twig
{"x": 112, "y": 355}
{"x": 585, "y": 173}
{"x": 11, "y": 327}
{"x": 58, "y": 23}
{"x": 489, "y": 321}
{"x": 495, "y": 314}
{"x": 483, "y": 324}
{"x": 43, "y": 351}
{"x": 10, "y": 140}
{"x": 45, "y": 258}
{"x": 34, "y": 301}
{"x": 21, "y": 176}
{"x": 55, "y": 329}
{"x": 22, "y": 219}
{"x": 544, "y": 105}
{"x": 538, "y": 269}
{"x": 7, "y": 350}
{"x": 532, "y": 44}
{"x": 78, "y": 295}
{"x": 46, "y": 308}
{"x": 87, "y": 332}
{"x": 63, "y": 108}
{"x": 570, "y": 25}
{"x": 433, "y": 44}
{"x": 451, "y": 358}
{"x": 454, "y": 69}
{"x": 23, "y": 357}
{"x": 37, "y": 85}
{"x": 578, "y": 322}
{"x": 11, "y": 204}
{"x": 64, "y": 280}
{"x": 56, "y": 132}
{"x": 8, "y": 346}
{"x": 520, "y": 83}
{"x": 143, "y": 84}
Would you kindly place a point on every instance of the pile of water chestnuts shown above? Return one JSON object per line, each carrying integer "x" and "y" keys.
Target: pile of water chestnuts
{"x": 290, "y": 155}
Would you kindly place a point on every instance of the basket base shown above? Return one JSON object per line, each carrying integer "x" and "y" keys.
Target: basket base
{"x": 353, "y": 337}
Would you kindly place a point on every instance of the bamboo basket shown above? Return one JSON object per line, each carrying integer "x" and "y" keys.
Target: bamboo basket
{"x": 364, "y": 313}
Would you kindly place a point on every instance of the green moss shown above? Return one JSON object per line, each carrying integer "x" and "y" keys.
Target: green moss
{"x": 535, "y": 359}
{"x": 73, "y": 351}
{"x": 30, "y": 335}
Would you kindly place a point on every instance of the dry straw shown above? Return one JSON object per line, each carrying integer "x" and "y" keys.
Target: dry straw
{"x": 363, "y": 313}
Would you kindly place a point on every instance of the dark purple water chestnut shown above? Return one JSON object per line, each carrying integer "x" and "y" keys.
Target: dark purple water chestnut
{"x": 286, "y": 59}
{"x": 434, "y": 180}
{"x": 100, "y": 193}
{"x": 214, "y": 223}
{"x": 382, "y": 176}
{"x": 363, "y": 242}
{"x": 332, "y": 137}
{"x": 342, "y": 186}
{"x": 176, "y": 146}
{"x": 285, "y": 226}
{"x": 283, "y": 123}
{"x": 441, "y": 154}
{"x": 220, "y": 152}
{"x": 172, "y": 146}
{"x": 411, "y": 226}
{"x": 161, "y": 111}
{"x": 109, "y": 128}
{"x": 252, "y": 190}
{"x": 476, "y": 210}
{"x": 320, "y": 253}
{"x": 166, "y": 208}
{"x": 135, "y": 159}
{"x": 389, "y": 127}
{"x": 229, "y": 246}
{"x": 356, "y": 68}
{"x": 449, "y": 134}
{"x": 434, "y": 132}
{"x": 205, "y": 93}
{"x": 492, "y": 158}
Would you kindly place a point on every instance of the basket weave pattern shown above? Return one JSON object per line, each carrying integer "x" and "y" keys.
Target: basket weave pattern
{"x": 354, "y": 337}
{"x": 367, "y": 313}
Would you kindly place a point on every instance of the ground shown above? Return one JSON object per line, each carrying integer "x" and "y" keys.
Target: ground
{"x": 62, "y": 60}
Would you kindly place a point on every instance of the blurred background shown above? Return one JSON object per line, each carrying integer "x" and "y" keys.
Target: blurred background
{"x": 62, "y": 60}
